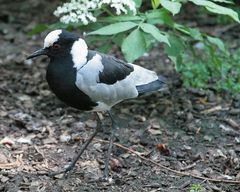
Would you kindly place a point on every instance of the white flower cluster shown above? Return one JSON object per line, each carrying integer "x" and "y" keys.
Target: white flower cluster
{"x": 82, "y": 10}
{"x": 120, "y": 5}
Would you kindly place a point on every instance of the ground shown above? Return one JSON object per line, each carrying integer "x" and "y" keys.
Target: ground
{"x": 174, "y": 139}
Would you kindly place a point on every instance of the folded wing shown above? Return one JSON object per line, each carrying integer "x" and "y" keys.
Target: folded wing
{"x": 109, "y": 80}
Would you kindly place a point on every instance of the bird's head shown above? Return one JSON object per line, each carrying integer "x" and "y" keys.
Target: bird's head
{"x": 57, "y": 43}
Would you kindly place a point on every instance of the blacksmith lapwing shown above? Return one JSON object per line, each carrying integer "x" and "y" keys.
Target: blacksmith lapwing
{"x": 91, "y": 81}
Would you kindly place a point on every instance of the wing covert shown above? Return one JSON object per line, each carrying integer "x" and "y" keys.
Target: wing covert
{"x": 113, "y": 69}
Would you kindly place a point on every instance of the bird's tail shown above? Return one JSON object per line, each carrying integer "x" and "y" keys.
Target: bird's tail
{"x": 157, "y": 85}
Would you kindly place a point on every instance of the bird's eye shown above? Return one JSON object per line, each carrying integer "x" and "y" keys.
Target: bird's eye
{"x": 56, "y": 46}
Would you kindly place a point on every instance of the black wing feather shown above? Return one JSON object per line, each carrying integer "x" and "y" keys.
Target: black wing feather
{"x": 114, "y": 69}
{"x": 159, "y": 84}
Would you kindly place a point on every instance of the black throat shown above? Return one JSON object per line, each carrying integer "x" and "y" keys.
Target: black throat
{"x": 61, "y": 77}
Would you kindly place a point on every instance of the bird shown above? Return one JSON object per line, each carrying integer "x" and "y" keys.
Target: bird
{"x": 92, "y": 81}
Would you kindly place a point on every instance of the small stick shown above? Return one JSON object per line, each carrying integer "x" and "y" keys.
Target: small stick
{"x": 169, "y": 169}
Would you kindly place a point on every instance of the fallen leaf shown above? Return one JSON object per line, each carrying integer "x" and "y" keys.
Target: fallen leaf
{"x": 24, "y": 140}
{"x": 91, "y": 168}
{"x": 65, "y": 137}
{"x": 3, "y": 158}
{"x": 163, "y": 149}
{"x": 7, "y": 141}
{"x": 3, "y": 179}
{"x": 91, "y": 123}
{"x": 140, "y": 118}
{"x": 3, "y": 113}
{"x": 116, "y": 164}
{"x": 154, "y": 131}
{"x": 49, "y": 140}
{"x": 154, "y": 128}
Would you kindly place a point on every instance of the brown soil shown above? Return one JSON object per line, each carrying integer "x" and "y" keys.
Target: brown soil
{"x": 186, "y": 130}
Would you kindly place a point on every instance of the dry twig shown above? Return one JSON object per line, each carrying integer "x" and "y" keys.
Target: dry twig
{"x": 11, "y": 165}
{"x": 214, "y": 109}
{"x": 169, "y": 169}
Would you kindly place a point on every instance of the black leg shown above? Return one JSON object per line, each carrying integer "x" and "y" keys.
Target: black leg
{"x": 108, "y": 156}
{"x": 69, "y": 169}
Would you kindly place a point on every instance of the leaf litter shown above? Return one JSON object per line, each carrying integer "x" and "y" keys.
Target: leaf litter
{"x": 188, "y": 132}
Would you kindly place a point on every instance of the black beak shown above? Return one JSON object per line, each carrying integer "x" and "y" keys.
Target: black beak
{"x": 37, "y": 53}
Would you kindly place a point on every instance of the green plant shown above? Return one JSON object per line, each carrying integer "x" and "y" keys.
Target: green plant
{"x": 142, "y": 26}
{"x": 214, "y": 67}
{"x": 197, "y": 188}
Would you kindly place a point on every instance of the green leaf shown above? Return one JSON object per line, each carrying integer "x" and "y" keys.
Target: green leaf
{"x": 215, "y": 8}
{"x": 224, "y": 1}
{"x": 38, "y": 29}
{"x": 138, "y": 3}
{"x": 118, "y": 39}
{"x": 59, "y": 25}
{"x": 173, "y": 7}
{"x": 159, "y": 16}
{"x": 194, "y": 33}
{"x": 105, "y": 48}
{"x": 174, "y": 51}
{"x": 155, "y": 32}
{"x": 120, "y": 18}
{"x": 114, "y": 28}
{"x": 176, "y": 46}
{"x": 155, "y": 3}
{"x": 218, "y": 42}
{"x": 96, "y": 39}
{"x": 134, "y": 45}
{"x": 149, "y": 40}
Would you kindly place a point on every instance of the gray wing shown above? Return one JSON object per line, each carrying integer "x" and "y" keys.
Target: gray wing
{"x": 106, "y": 79}
{"x": 113, "y": 69}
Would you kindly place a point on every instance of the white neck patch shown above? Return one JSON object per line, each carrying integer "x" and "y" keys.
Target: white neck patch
{"x": 51, "y": 38}
{"x": 79, "y": 53}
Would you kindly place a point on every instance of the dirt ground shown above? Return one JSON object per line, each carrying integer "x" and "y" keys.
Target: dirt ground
{"x": 180, "y": 137}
